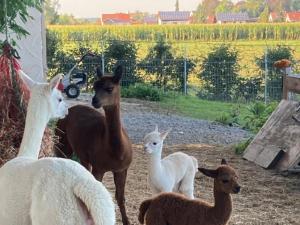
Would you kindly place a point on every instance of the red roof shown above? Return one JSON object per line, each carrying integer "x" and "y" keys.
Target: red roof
{"x": 118, "y": 17}
{"x": 274, "y": 15}
{"x": 211, "y": 19}
{"x": 293, "y": 16}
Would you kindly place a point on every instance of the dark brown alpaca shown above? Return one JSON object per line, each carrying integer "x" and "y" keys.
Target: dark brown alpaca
{"x": 99, "y": 141}
{"x": 175, "y": 209}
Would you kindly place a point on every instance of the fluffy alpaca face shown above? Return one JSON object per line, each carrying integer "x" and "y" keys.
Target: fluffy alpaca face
{"x": 228, "y": 180}
{"x": 225, "y": 177}
{"x": 107, "y": 89}
{"x": 58, "y": 108}
{"x": 153, "y": 141}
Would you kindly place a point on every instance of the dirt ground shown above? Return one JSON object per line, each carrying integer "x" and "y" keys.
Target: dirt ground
{"x": 266, "y": 198}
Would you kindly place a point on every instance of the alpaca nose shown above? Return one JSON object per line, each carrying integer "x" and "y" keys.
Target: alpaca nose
{"x": 237, "y": 189}
{"x": 95, "y": 102}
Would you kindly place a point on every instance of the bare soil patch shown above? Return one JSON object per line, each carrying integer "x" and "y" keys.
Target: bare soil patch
{"x": 266, "y": 198}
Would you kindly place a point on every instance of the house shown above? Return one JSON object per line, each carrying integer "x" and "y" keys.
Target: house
{"x": 292, "y": 16}
{"x": 115, "y": 19}
{"x": 151, "y": 19}
{"x": 210, "y": 19}
{"x": 175, "y": 17}
{"x": 274, "y": 17}
{"x": 241, "y": 17}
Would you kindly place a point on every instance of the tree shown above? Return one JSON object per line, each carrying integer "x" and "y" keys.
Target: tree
{"x": 264, "y": 16}
{"x": 66, "y": 19}
{"x": 274, "y": 83}
{"x": 51, "y": 14}
{"x": 177, "y": 6}
{"x": 255, "y": 7}
{"x": 205, "y": 9}
{"x": 295, "y": 5}
{"x": 167, "y": 69}
{"x": 11, "y": 10}
{"x": 219, "y": 71}
{"x": 224, "y": 6}
{"x": 124, "y": 53}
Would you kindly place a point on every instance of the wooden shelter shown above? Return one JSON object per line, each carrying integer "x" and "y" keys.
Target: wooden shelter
{"x": 277, "y": 144}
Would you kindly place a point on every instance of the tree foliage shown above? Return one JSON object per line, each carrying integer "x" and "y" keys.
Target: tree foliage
{"x": 50, "y": 9}
{"x": 274, "y": 75}
{"x": 124, "y": 53}
{"x": 16, "y": 9}
{"x": 219, "y": 71}
{"x": 167, "y": 69}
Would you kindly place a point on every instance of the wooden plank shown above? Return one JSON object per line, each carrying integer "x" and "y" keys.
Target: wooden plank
{"x": 269, "y": 156}
{"x": 280, "y": 133}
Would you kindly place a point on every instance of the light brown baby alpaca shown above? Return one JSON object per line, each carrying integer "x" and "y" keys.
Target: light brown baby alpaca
{"x": 175, "y": 209}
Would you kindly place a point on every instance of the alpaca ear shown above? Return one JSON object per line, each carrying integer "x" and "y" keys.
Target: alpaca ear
{"x": 208, "y": 172}
{"x": 223, "y": 162}
{"x": 156, "y": 128}
{"x": 163, "y": 135}
{"x": 54, "y": 82}
{"x": 99, "y": 72}
{"x": 118, "y": 74}
{"x": 26, "y": 79}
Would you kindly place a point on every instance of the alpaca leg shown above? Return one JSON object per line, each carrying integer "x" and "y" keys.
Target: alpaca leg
{"x": 98, "y": 174}
{"x": 63, "y": 148}
{"x": 187, "y": 185}
{"x": 120, "y": 181}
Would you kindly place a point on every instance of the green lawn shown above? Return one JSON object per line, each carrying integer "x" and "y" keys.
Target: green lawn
{"x": 203, "y": 109}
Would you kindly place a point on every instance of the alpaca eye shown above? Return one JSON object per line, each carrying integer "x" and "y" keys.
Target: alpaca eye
{"x": 225, "y": 181}
{"x": 60, "y": 99}
{"x": 154, "y": 143}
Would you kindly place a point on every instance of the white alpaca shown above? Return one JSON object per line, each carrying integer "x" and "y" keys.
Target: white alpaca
{"x": 49, "y": 191}
{"x": 174, "y": 173}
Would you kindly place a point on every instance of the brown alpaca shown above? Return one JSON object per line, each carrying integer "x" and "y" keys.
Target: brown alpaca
{"x": 99, "y": 141}
{"x": 175, "y": 209}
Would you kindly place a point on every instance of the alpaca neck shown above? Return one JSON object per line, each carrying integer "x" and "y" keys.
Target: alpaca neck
{"x": 36, "y": 121}
{"x": 155, "y": 166}
{"x": 114, "y": 127}
{"x": 223, "y": 205}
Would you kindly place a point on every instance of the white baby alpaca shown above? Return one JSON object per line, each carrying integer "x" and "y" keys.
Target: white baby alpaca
{"x": 49, "y": 191}
{"x": 174, "y": 173}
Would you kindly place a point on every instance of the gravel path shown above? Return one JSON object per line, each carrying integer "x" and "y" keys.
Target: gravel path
{"x": 140, "y": 117}
{"x": 184, "y": 130}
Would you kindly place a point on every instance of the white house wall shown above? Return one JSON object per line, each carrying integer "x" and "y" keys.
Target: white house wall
{"x": 32, "y": 48}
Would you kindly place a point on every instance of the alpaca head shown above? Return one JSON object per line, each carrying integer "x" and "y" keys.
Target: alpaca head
{"x": 41, "y": 92}
{"x": 107, "y": 88}
{"x": 226, "y": 179}
{"x": 153, "y": 141}
{"x": 57, "y": 107}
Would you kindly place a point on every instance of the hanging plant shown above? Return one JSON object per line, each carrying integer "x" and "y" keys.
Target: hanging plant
{"x": 11, "y": 10}
{"x": 14, "y": 94}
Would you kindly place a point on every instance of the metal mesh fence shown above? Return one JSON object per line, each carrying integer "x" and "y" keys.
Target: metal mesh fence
{"x": 216, "y": 80}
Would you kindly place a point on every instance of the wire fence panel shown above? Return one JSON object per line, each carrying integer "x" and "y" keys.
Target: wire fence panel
{"x": 211, "y": 80}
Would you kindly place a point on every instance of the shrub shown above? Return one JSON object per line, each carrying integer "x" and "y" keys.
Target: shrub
{"x": 274, "y": 75}
{"x": 168, "y": 69}
{"x": 220, "y": 72}
{"x": 124, "y": 53}
{"x": 259, "y": 113}
{"x": 142, "y": 91}
{"x": 240, "y": 147}
{"x": 231, "y": 118}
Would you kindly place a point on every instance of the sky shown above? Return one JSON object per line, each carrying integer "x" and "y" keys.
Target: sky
{"x": 94, "y": 8}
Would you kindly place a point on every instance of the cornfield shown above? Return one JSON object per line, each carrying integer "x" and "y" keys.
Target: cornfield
{"x": 192, "y": 32}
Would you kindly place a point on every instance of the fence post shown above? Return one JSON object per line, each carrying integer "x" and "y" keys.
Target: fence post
{"x": 102, "y": 56}
{"x": 184, "y": 76}
{"x": 266, "y": 75}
